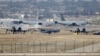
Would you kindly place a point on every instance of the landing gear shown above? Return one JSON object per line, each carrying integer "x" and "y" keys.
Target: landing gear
{"x": 19, "y": 29}
{"x": 14, "y": 30}
{"x": 6, "y": 31}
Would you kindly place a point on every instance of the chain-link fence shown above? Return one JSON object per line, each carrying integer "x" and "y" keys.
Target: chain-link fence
{"x": 50, "y": 47}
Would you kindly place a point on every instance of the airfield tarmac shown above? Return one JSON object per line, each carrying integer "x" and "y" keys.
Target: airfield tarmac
{"x": 63, "y": 36}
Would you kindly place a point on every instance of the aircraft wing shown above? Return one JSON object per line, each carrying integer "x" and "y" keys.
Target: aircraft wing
{"x": 4, "y": 27}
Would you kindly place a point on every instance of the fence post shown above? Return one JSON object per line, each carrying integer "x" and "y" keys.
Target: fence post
{"x": 15, "y": 47}
{"x": 83, "y": 46}
{"x": 46, "y": 47}
{"x": 56, "y": 46}
{"x": 11, "y": 47}
{"x": 2, "y": 47}
{"x": 92, "y": 46}
{"x": 27, "y": 47}
{"x": 65, "y": 46}
{"x": 40, "y": 46}
{"x": 21, "y": 48}
{"x": 34, "y": 47}
{"x": 74, "y": 46}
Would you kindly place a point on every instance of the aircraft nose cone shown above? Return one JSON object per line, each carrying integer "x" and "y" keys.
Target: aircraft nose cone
{"x": 56, "y": 22}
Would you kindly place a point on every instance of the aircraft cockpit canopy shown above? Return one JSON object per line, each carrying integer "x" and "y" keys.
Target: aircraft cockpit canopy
{"x": 17, "y": 22}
